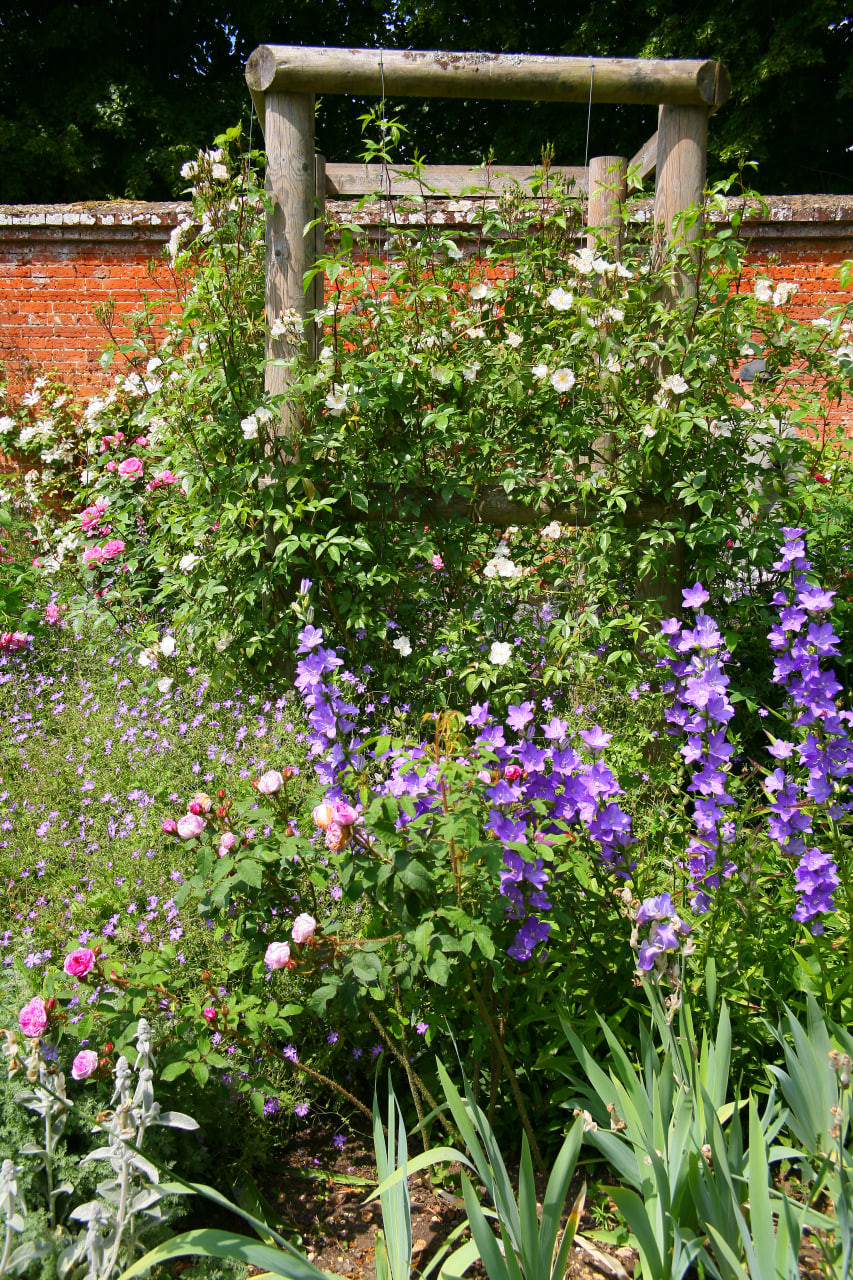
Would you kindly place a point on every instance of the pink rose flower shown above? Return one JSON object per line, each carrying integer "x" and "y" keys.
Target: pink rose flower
{"x": 512, "y": 772}
{"x": 170, "y": 826}
{"x": 190, "y": 825}
{"x": 303, "y": 928}
{"x": 337, "y": 837}
{"x": 111, "y": 549}
{"x": 131, "y": 468}
{"x": 33, "y": 1018}
{"x": 277, "y": 955}
{"x": 111, "y": 466}
{"x": 226, "y": 841}
{"x": 209, "y": 1014}
{"x": 322, "y": 815}
{"x": 84, "y": 1064}
{"x": 93, "y": 555}
{"x": 12, "y": 641}
{"x": 270, "y": 782}
{"x": 142, "y": 441}
{"x": 343, "y": 814}
{"x": 80, "y": 962}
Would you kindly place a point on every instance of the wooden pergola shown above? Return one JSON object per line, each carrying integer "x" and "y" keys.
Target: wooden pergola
{"x": 284, "y": 80}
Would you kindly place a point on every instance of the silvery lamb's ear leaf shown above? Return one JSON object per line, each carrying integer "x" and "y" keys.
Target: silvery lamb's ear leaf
{"x": 145, "y": 1166}
{"x": 32, "y": 1149}
{"x": 100, "y": 1153}
{"x": 176, "y": 1120}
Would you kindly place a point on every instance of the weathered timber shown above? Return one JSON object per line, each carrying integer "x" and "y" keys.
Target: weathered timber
{"x": 680, "y": 178}
{"x": 320, "y": 184}
{"x": 289, "y": 139}
{"x": 646, "y": 159}
{"x": 608, "y": 191}
{"x": 437, "y": 180}
{"x": 493, "y": 506}
{"x": 425, "y": 74}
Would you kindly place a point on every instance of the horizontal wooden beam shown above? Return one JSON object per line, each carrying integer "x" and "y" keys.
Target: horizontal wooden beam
{"x": 646, "y": 159}
{"x": 433, "y": 74}
{"x": 438, "y": 180}
{"x": 493, "y": 506}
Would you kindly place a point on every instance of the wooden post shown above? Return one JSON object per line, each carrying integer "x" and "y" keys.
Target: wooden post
{"x": 682, "y": 140}
{"x": 289, "y": 138}
{"x": 608, "y": 191}
{"x": 319, "y": 236}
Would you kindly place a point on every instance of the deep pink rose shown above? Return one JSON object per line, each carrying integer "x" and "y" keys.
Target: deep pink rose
{"x": 303, "y": 928}
{"x": 33, "y": 1018}
{"x": 277, "y": 955}
{"x": 84, "y": 1064}
{"x": 131, "y": 468}
{"x": 80, "y": 962}
{"x": 93, "y": 555}
{"x": 343, "y": 814}
{"x": 190, "y": 825}
{"x": 112, "y": 549}
{"x": 170, "y": 826}
{"x": 209, "y": 1014}
{"x": 270, "y": 782}
{"x": 226, "y": 841}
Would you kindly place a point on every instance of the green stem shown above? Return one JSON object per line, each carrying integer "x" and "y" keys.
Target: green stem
{"x": 510, "y": 1074}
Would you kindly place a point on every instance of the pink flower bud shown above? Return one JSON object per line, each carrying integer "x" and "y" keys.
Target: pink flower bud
{"x": 170, "y": 826}
{"x": 512, "y": 772}
{"x": 195, "y": 807}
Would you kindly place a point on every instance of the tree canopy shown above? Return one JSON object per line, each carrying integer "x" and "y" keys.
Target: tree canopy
{"x": 107, "y": 98}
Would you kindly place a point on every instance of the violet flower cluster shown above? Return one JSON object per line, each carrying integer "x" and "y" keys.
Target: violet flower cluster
{"x": 799, "y": 641}
{"x": 700, "y": 710}
{"x": 532, "y": 794}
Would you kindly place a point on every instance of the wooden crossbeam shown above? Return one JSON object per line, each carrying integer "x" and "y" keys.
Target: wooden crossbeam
{"x": 437, "y": 180}
{"x": 646, "y": 159}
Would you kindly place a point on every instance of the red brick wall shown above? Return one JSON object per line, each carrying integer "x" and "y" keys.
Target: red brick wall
{"x": 58, "y": 262}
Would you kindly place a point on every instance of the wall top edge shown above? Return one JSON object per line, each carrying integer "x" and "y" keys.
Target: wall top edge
{"x": 159, "y": 218}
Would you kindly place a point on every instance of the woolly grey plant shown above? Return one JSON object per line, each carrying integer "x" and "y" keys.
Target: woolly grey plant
{"x": 112, "y": 1221}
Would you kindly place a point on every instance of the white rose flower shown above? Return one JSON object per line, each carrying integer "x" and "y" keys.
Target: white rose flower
{"x": 336, "y": 401}
{"x": 560, "y": 299}
{"x": 187, "y": 563}
{"x": 219, "y": 173}
{"x": 562, "y": 380}
{"x": 552, "y": 531}
{"x": 146, "y": 657}
{"x": 513, "y": 340}
{"x": 763, "y": 290}
{"x": 783, "y": 293}
{"x": 470, "y": 371}
{"x": 249, "y": 427}
{"x": 165, "y": 683}
{"x": 263, "y": 414}
{"x": 7, "y": 424}
{"x": 674, "y": 384}
{"x": 403, "y": 646}
{"x": 480, "y": 291}
{"x": 453, "y": 250}
{"x": 500, "y": 653}
{"x": 540, "y": 371}
{"x": 167, "y": 646}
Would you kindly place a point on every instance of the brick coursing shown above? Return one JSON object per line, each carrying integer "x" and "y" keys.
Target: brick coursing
{"x": 57, "y": 262}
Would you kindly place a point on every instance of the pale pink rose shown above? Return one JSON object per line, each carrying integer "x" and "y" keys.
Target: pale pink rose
{"x": 203, "y": 800}
{"x": 322, "y": 815}
{"x": 80, "y": 962}
{"x": 270, "y": 782}
{"x": 111, "y": 549}
{"x": 226, "y": 841}
{"x": 303, "y": 928}
{"x": 33, "y": 1018}
{"x": 337, "y": 837}
{"x": 343, "y": 814}
{"x": 131, "y": 468}
{"x": 93, "y": 515}
{"x": 277, "y": 955}
{"x": 437, "y": 563}
{"x": 84, "y": 1064}
{"x": 111, "y": 466}
{"x": 142, "y": 441}
{"x": 484, "y": 775}
{"x": 93, "y": 555}
{"x": 190, "y": 825}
